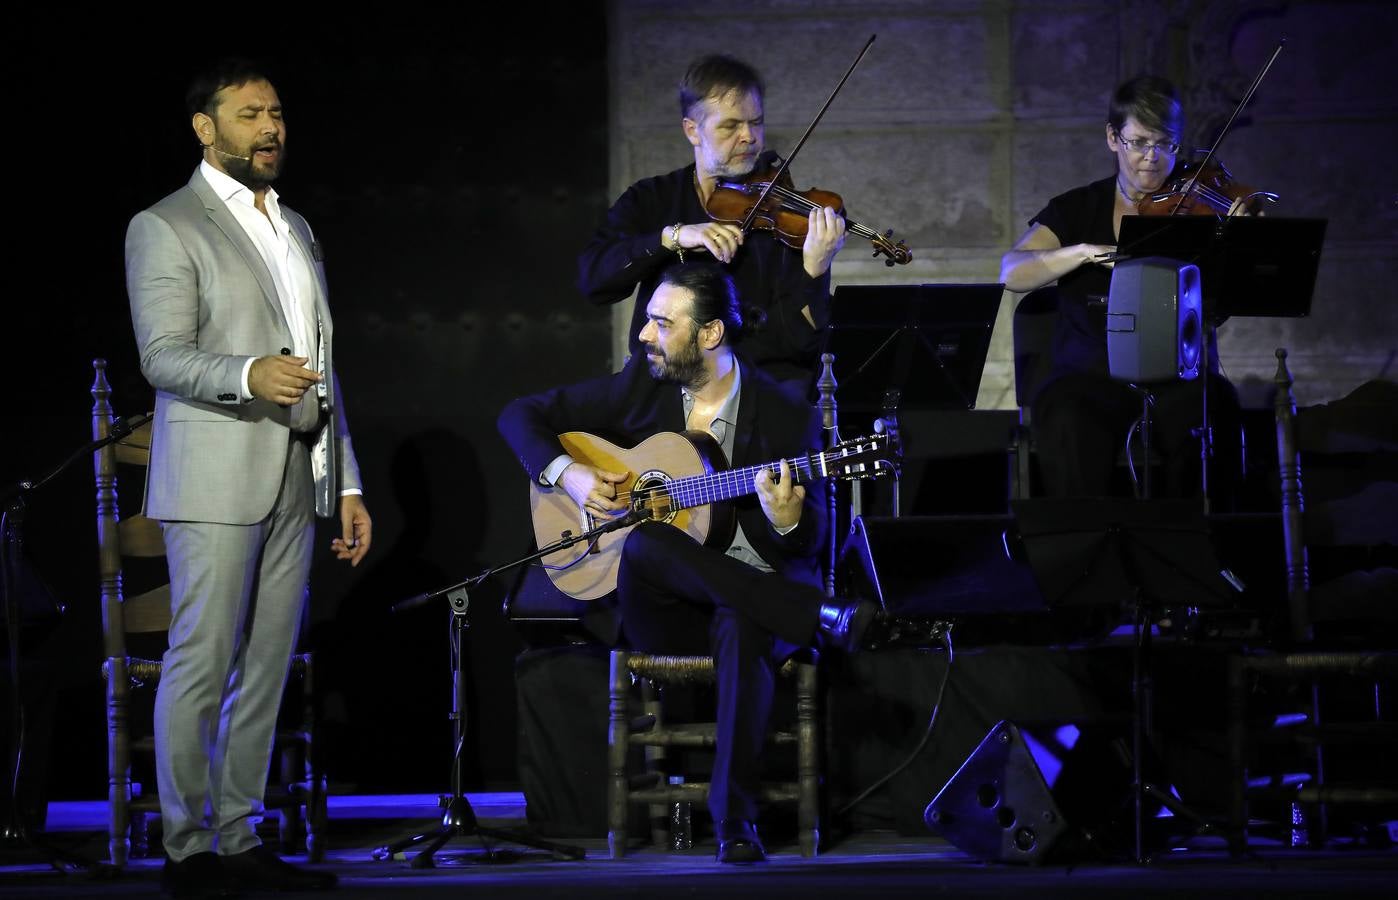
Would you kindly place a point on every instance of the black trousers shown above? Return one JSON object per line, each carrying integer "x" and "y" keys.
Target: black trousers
{"x": 1081, "y": 420}
{"x": 678, "y": 596}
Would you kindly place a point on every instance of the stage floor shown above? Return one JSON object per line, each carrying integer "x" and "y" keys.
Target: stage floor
{"x": 862, "y": 864}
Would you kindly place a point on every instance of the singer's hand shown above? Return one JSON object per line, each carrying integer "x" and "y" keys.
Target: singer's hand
{"x": 781, "y": 500}
{"x": 281, "y": 379}
{"x": 356, "y": 530}
{"x": 593, "y": 489}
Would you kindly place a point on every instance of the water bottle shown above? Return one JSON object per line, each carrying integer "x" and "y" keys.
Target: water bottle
{"x": 1300, "y": 832}
{"x": 681, "y": 831}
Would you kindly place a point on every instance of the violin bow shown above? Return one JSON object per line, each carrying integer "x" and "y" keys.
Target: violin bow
{"x": 1237, "y": 110}
{"x": 781, "y": 170}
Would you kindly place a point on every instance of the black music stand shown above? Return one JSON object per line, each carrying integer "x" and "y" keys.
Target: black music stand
{"x": 926, "y": 341}
{"x": 1248, "y": 266}
{"x": 926, "y": 572}
{"x": 909, "y": 346}
{"x": 1145, "y": 555}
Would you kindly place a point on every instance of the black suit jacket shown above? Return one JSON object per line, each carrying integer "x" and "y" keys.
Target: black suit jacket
{"x": 630, "y": 406}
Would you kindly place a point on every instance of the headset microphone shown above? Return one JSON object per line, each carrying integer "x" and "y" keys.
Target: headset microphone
{"x": 226, "y": 153}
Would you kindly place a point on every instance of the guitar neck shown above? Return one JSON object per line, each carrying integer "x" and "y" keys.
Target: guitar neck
{"x": 698, "y": 490}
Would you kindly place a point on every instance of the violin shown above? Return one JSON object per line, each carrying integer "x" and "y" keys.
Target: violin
{"x": 1202, "y": 189}
{"x": 1207, "y": 188}
{"x": 756, "y": 201}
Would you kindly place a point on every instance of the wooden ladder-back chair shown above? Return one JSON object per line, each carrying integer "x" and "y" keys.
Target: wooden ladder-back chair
{"x": 139, "y": 614}
{"x": 1340, "y": 614}
{"x": 652, "y": 730}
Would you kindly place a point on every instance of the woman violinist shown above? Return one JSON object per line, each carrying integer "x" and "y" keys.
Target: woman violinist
{"x": 1080, "y": 415}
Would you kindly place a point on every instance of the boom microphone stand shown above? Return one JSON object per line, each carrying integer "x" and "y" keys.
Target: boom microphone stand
{"x": 460, "y": 818}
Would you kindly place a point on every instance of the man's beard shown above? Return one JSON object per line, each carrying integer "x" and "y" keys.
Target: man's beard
{"x": 685, "y": 366}
{"x": 736, "y": 169}
{"x": 246, "y": 171}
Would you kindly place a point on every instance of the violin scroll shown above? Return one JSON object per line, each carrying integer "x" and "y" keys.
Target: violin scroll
{"x": 896, "y": 253}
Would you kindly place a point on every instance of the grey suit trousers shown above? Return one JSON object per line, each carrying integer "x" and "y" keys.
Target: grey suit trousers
{"x": 238, "y": 596}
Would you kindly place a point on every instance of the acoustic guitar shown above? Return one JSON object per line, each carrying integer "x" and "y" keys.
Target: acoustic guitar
{"x": 681, "y": 479}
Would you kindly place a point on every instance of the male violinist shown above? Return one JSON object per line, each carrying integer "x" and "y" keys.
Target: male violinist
{"x": 1081, "y": 415}
{"x": 659, "y": 221}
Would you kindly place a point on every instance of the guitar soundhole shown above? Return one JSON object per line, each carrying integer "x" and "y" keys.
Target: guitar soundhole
{"x": 653, "y": 493}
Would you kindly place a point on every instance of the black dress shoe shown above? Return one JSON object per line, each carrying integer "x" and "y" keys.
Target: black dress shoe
{"x": 261, "y": 869}
{"x": 738, "y": 842}
{"x": 200, "y": 875}
{"x": 847, "y": 626}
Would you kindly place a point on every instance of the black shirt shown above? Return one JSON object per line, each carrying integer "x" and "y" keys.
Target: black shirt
{"x": 1082, "y": 216}
{"x": 770, "y": 276}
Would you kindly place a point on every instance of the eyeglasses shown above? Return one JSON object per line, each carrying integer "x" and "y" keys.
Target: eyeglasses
{"x": 1143, "y": 146}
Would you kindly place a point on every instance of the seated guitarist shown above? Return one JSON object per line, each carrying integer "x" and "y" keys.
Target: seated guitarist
{"x": 751, "y": 603}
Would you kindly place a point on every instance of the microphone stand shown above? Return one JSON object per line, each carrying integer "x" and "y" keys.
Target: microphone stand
{"x": 460, "y": 818}
{"x": 13, "y": 503}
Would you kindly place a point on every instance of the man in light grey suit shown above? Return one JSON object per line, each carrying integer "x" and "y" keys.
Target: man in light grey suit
{"x": 228, "y": 297}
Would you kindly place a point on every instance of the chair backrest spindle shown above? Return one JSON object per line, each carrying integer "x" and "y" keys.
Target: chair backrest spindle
{"x": 1293, "y": 504}
{"x": 108, "y": 541}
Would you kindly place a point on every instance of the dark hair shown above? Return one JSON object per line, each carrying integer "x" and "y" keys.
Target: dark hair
{"x": 1150, "y": 100}
{"x": 232, "y": 71}
{"x": 716, "y": 75}
{"x": 715, "y": 295}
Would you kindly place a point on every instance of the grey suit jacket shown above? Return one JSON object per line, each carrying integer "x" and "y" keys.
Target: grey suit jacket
{"x": 203, "y": 303}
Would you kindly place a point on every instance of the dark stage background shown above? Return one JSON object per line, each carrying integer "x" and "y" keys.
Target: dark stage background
{"x": 452, "y": 173}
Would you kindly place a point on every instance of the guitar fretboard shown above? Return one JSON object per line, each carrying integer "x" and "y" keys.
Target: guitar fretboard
{"x": 698, "y": 490}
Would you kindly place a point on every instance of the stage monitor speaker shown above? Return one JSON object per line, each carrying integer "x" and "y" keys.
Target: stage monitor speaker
{"x": 1154, "y": 320}
{"x": 1038, "y": 794}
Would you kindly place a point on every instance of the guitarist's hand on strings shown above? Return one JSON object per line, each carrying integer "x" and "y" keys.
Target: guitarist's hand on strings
{"x": 593, "y": 489}
{"x": 781, "y": 500}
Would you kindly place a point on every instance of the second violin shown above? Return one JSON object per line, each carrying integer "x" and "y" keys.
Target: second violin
{"x": 1202, "y": 190}
{"x": 785, "y": 211}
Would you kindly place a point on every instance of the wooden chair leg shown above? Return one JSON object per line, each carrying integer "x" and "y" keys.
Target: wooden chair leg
{"x": 655, "y": 756}
{"x": 317, "y": 818}
{"x": 291, "y": 832}
{"x": 316, "y": 794}
{"x": 618, "y": 739}
{"x": 118, "y": 762}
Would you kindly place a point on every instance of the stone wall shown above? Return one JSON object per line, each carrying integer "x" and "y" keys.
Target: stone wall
{"x": 965, "y": 117}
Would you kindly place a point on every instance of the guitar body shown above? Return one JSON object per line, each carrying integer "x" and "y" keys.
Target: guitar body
{"x": 651, "y": 464}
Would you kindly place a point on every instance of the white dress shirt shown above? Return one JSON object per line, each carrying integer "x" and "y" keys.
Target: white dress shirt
{"x": 291, "y": 275}
{"x": 294, "y": 280}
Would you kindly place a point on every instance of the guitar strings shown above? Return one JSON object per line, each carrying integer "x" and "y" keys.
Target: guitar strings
{"x": 710, "y": 485}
